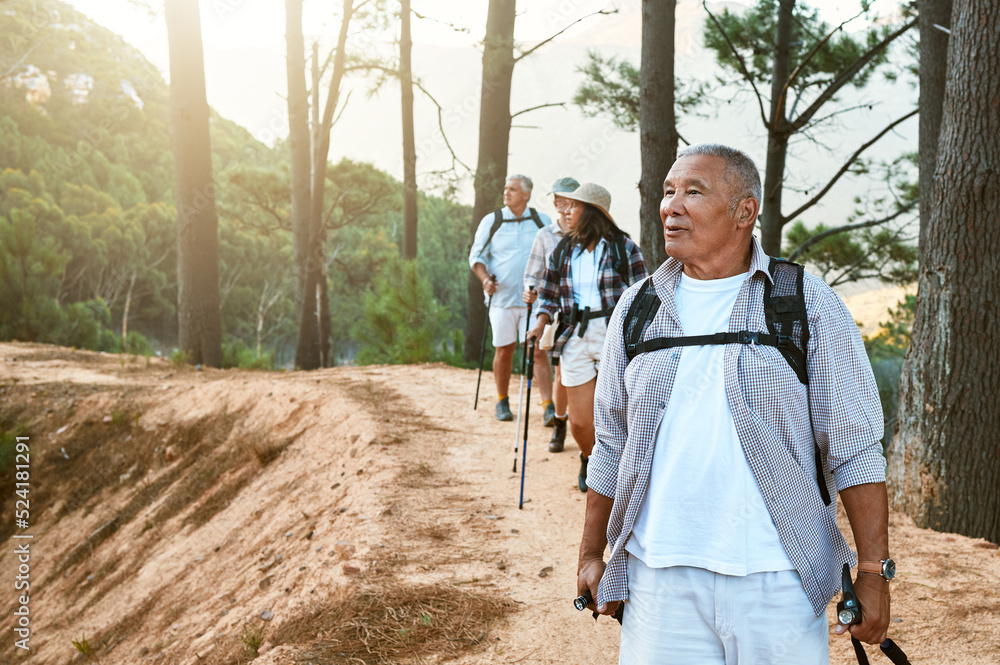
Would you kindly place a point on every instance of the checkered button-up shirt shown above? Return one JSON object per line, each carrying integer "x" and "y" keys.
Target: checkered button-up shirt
{"x": 556, "y": 289}
{"x": 771, "y": 411}
{"x": 541, "y": 249}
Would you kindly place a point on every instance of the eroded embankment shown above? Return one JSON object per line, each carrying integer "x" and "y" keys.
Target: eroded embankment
{"x": 180, "y": 516}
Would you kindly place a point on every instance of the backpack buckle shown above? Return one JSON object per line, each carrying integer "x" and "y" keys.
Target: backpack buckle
{"x": 747, "y": 337}
{"x": 784, "y": 340}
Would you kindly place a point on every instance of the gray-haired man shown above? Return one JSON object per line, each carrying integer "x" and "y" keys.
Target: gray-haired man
{"x": 498, "y": 256}
{"x": 704, "y": 477}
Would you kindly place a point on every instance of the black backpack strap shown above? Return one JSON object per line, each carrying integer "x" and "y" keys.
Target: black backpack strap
{"x": 638, "y": 317}
{"x": 785, "y": 312}
{"x": 497, "y": 223}
{"x": 619, "y": 257}
{"x": 559, "y": 255}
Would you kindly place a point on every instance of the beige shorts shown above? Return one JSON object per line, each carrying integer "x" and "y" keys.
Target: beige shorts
{"x": 508, "y": 324}
{"x": 581, "y": 357}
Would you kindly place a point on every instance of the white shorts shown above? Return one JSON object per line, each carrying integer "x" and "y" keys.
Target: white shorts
{"x": 692, "y": 616}
{"x": 581, "y": 357}
{"x": 508, "y": 324}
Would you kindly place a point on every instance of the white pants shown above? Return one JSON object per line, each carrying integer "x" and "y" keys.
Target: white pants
{"x": 508, "y": 324}
{"x": 692, "y": 616}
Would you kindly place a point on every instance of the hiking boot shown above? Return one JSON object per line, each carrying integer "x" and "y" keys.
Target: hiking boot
{"x": 582, "y": 480}
{"x": 549, "y": 417}
{"x": 503, "y": 410}
{"x": 558, "y": 435}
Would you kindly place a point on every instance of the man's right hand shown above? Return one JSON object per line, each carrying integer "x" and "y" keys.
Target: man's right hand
{"x": 588, "y": 578}
{"x": 529, "y": 296}
{"x": 490, "y": 285}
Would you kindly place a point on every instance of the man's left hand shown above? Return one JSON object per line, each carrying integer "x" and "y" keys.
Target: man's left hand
{"x": 873, "y": 595}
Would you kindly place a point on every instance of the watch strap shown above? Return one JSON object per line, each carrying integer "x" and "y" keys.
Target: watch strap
{"x": 874, "y": 567}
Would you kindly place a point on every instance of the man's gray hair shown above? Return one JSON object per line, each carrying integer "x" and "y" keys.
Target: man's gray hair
{"x": 741, "y": 171}
{"x": 526, "y": 183}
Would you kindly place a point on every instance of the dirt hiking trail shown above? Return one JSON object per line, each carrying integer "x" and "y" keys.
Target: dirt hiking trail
{"x": 349, "y": 515}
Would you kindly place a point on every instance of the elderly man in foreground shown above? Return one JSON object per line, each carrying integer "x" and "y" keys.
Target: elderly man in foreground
{"x": 734, "y": 396}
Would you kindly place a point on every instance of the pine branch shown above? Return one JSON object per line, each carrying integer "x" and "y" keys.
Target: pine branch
{"x": 847, "y": 165}
{"x": 535, "y": 108}
{"x": 845, "y": 77}
{"x": 525, "y": 54}
{"x": 742, "y": 62}
{"x": 850, "y": 227}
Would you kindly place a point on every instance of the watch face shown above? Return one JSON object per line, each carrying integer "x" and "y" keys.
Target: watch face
{"x": 889, "y": 569}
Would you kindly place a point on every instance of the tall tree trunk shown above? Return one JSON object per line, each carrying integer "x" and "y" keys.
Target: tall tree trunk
{"x": 657, "y": 123}
{"x": 409, "y": 145}
{"x": 312, "y": 347}
{"x": 944, "y": 463}
{"x": 199, "y": 322}
{"x": 298, "y": 139}
{"x": 933, "y": 70}
{"x": 771, "y": 220}
{"x": 494, "y": 136}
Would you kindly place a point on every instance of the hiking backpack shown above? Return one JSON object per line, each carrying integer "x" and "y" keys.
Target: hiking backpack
{"x": 619, "y": 256}
{"x": 498, "y": 221}
{"x": 785, "y": 315}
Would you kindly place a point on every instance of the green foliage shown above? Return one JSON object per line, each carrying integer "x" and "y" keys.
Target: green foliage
{"x": 87, "y": 224}
{"x": 886, "y": 350}
{"x": 879, "y": 252}
{"x": 236, "y": 354}
{"x": 83, "y": 646}
{"x": 402, "y": 318}
{"x": 752, "y": 34}
{"x": 611, "y": 89}
{"x": 8, "y": 448}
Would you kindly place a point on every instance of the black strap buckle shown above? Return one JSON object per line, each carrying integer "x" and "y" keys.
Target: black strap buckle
{"x": 784, "y": 340}
{"x": 747, "y": 337}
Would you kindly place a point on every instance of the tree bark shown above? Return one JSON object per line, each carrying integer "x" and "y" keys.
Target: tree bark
{"x": 313, "y": 346}
{"x": 409, "y": 145}
{"x": 944, "y": 463}
{"x": 298, "y": 139}
{"x": 494, "y": 136}
{"x": 657, "y": 123}
{"x": 198, "y": 316}
{"x": 771, "y": 220}
{"x": 933, "y": 70}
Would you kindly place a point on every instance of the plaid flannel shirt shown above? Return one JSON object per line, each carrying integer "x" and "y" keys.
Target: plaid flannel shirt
{"x": 541, "y": 249}
{"x": 771, "y": 411}
{"x": 556, "y": 289}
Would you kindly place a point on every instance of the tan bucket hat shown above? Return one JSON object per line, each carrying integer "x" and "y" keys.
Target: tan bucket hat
{"x": 593, "y": 194}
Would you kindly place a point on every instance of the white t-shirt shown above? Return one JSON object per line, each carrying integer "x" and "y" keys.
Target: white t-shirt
{"x": 703, "y": 507}
{"x": 585, "y": 270}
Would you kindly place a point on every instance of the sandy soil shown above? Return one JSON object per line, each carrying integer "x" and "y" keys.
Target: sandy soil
{"x": 233, "y": 494}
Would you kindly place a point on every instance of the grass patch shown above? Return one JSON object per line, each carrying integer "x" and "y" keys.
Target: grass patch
{"x": 386, "y": 621}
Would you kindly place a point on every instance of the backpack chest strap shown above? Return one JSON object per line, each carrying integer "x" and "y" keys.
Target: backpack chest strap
{"x": 741, "y": 337}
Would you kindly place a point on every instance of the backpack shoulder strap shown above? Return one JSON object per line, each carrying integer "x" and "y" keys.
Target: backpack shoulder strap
{"x": 640, "y": 314}
{"x": 559, "y": 254}
{"x": 619, "y": 257}
{"x": 786, "y": 315}
{"x": 497, "y": 222}
{"x": 785, "y": 312}
{"x": 535, "y": 218}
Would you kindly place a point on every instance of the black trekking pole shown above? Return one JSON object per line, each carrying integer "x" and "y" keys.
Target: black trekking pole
{"x": 520, "y": 389}
{"x": 849, "y": 612}
{"x": 482, "y": 351}
{"x": 527, "y": 408}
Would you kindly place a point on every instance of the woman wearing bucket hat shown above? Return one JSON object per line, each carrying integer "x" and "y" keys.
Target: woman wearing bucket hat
{"x": 587, "y": 274}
